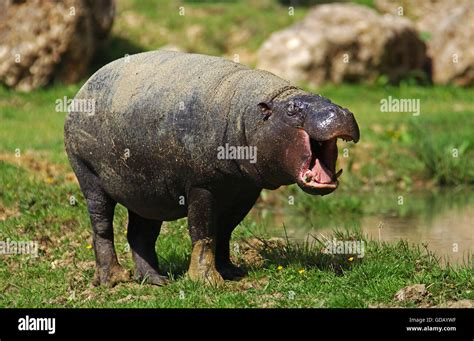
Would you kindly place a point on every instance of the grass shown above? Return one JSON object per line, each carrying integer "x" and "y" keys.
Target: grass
{"x": 218, "y": 28}
{"x": 398, "y": 154}
{"x": 281, "y": 274}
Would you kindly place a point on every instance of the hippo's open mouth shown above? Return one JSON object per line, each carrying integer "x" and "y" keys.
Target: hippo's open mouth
{"x": 318, "y": 174}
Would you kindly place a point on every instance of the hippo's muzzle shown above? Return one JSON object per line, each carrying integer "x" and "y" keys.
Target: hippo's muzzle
{"x": 322, "y": 129}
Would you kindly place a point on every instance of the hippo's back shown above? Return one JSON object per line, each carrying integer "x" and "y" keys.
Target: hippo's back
{"x": 159, "y": 77}
{"x": 169, "y": 91}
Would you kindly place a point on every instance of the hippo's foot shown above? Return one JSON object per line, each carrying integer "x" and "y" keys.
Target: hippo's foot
{"x": 202, "y": 267}
{"x": 111, "y": 276}
{"x": 151, "y": 277}
{"x": 229, "y": 271}
{"x": 207, "y": 276}
{"x": 141, "y": 235}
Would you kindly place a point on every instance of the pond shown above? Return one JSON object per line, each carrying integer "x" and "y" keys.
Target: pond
{"x": 442, "y": 220}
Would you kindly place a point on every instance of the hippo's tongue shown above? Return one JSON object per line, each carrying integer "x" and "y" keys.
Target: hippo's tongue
{"x": 323, "y": 163}
{"x": 321, "y": 173}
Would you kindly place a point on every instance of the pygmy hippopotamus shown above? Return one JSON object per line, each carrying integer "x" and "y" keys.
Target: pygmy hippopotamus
{"x": 176, "y": 134}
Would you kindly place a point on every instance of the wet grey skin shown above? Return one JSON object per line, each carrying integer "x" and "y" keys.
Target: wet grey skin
{"x": 152, "y": 142}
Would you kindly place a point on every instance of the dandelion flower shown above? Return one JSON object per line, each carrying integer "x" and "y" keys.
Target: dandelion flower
{"x": 301, "y": 271}
{"x": 351, "y": 259}
{"x": 280, "y": 267}
{"x": 89, "y": 246}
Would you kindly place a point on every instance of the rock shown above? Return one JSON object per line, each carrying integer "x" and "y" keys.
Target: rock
{"x": 418, "y": 10}
{"x": 450, "y": 32}
{"x": 451, "y": 43}
{"x": 413, "y": 293}
{"x": 427, "y": 14}
{"x": 41, "y": 41}
{"x": 344, "y": 42}
{"x": 412, "y": 9}
{"x": 170, "y": 47}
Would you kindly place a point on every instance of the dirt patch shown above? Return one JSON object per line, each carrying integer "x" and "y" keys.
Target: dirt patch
{"x": 133, "y": 298}
{"x": 250, "y": 252}
{"x": 67, "y": 226}
{"x": 37, "y": 163}
{"x": 457, "y": 304}
{"x": 252, "y": 284}
{"x": 69, "y": 235}
{"x": 413, "y": 293}
{"x": 10, "y": 288}
{"x": 448, "y": 304}
{"x": 270, "y": 300}
{"x": 8, "y": 212}
{"x": 90, "y": 294}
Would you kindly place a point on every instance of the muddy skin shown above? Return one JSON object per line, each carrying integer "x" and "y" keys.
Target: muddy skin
{"x": 152, "y": 143}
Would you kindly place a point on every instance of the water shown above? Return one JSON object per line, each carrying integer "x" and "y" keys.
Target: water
{"x": 443, "y": 220}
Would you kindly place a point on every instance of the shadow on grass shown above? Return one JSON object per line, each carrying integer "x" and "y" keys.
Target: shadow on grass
{"x": 174, "y": 266}
{"x": 314, "y": 253}
{"x": 270, "y": 254}
{"x": 258, "y": 253}
{"x": 113, "y": 48}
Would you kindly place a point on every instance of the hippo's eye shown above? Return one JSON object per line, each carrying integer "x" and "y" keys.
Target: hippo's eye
{"x": 292, "y": 108}
{"x": 295, "y": 107}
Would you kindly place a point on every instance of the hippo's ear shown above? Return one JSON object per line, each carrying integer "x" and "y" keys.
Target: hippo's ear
{"x": 265, "y": 109}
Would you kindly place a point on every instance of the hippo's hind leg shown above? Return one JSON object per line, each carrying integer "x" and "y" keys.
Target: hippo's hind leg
{"x": 202, "y": 228}
{"x": 101, "y": 211}
{"x": 142, "y": 234}
{"x": 227, "y": 222}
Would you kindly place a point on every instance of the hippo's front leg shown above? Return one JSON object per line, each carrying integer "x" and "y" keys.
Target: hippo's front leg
{"x": 227, "y": 222}
{"x": 203, "y": 230}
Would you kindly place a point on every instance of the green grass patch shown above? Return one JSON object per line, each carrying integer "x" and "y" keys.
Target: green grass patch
{"x": 281, "y": 273}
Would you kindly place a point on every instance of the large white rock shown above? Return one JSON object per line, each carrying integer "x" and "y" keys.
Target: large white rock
{"x": 344, "y": 42}
{"x": 449, "y": 28}
{"x": 45, "y": 40}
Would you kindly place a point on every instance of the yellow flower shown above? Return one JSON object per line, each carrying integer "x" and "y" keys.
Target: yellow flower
{"x": 280, "y": 267}
{"x": 301, "y": 271}
{"x": 89, "y": 246}
{"x": 351, "y": 259}
{"x": 49, "y": 180}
